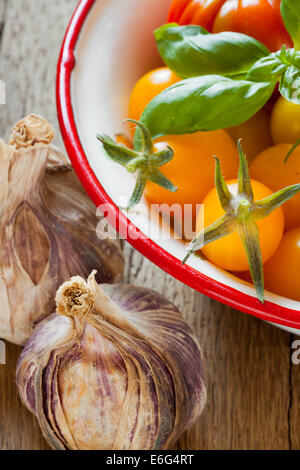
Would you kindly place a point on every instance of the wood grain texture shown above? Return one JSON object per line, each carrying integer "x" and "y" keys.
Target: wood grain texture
{"x": 253, "y": 390}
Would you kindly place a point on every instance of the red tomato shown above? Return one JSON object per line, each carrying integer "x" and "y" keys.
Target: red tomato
{"x": 260, "y": 19}
{"x": 201, "y": 12}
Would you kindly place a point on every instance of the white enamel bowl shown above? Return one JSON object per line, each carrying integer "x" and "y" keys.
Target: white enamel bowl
{"x": 108, "y": 46}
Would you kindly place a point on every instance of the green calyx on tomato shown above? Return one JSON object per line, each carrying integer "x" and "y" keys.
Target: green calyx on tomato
{"x": 227, "y": 77}
{"x": 145, "y": 162}
{"x": 241, "y": 215}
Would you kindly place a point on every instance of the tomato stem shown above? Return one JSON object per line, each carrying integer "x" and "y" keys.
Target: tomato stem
{"x": 145, "y": 162}
{"x": 296, "y": 144}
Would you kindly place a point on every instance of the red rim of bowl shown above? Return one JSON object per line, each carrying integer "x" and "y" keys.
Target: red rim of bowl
{"x": 227, "y": 295}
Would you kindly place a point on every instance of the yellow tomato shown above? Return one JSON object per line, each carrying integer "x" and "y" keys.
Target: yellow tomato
{"x": 282, "y": 272}
{"x": 192, "y": 168}
{"x": 148, "y": 87}
{"x": 285, "y": 122}
{"x": 228, "y": 252}
{"x": 269, "y": 168}
{"x": 255, "y": 134}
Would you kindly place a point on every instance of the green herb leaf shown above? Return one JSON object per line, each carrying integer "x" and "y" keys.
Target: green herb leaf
{"x": 275, "y": 66}
{"x": 204, "y": 103}
{"x": 191, "y": 51}
{"x": 290, "y": 84}
{"x": 267, "y": 69}
{"x": 290, "y": 12}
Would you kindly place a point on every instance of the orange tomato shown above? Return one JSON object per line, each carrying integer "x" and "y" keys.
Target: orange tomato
{"x": 124, "y": 140}
{"x": 148, "y": 87}
{"x": 282, "y": 272}
{"x": 269, "y": 168}
{"x": 192, "y": 168}
{"x": 255, "y": 134}
{"x": 228, "y": 252}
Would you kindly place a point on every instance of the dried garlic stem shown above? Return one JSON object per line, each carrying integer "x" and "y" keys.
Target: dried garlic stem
{"x": 74, "y": 298}
{"x": 78, "y": 299}
{"x": 31, "y": 130}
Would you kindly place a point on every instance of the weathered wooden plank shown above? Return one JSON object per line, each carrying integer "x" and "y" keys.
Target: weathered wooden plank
{"x": 29, "y": 50}
{"x": 294, "y": 413}
{"x": 248, "y": 387}
{"x": 247, "y": 361}
{"x": 19, "y": 430}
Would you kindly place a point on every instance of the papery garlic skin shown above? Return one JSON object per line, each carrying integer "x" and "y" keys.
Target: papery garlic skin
{"x": 47, "y": 230}
{"x": 115, "y": 368}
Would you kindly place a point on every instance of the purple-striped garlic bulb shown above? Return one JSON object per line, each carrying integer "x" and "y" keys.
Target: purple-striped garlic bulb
{"x": 116, "y": 367}
{"x": 47, "y": 229}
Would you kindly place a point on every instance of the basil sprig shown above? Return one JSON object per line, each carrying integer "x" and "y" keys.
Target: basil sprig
{"x": 228, "y": 77}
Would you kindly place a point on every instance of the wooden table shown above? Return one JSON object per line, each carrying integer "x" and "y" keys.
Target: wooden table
{"x": 253, "y": 388}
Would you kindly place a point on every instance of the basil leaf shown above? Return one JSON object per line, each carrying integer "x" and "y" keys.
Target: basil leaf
{"x": 290, "y": 84}
{"x": 204, "y": 103}
{"x": 273, "y": 67}
{"x": 267, "y": 69}
{"x": 191, "y": 51}
{"x": 290, "y": 12}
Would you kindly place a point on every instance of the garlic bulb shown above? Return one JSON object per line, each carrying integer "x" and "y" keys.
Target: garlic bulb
{"x": 47, "y": 229}
{"x": 115, "y": 368}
